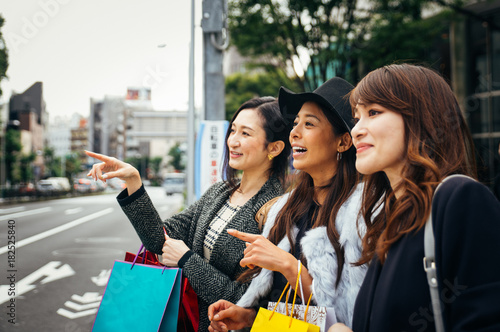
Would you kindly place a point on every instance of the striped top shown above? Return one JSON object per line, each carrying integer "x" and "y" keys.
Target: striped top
{"x": 217, "y": 225}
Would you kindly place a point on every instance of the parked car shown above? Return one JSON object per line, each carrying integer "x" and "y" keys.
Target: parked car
{"x": 174, "y": 183}
{"x": 26, "y": 188}
{"x": 48, "y": 187}
{"x": 83, "y": 185}
{"x": 116, "y": 183}
{"x": 62, "y": 183}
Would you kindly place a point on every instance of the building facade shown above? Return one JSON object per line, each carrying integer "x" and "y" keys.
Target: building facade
{"x": 130, "y": 128}
{"x": 28, "y": 108}
{"x": 475, "y": 49}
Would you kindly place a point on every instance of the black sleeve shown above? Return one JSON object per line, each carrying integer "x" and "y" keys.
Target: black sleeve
{"x": 467, "y": 225}
{"x": 141, "y": 212}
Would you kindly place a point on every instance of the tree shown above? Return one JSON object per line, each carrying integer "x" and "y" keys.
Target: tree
{"x": 52, "y": 163}
{"x": 4, "y": 58}
{"x": 73, "y": 166}
{"x": 241, "y": 87}
{"x": 140, "y": 163}
{"x": 292, "y": 33}
{"x": 25, "y": 169}
{"x": 154, "y": 176}
{"x": 12, "y": 152}
{"x": 176, "y": 153}
{"x": 345, "y": 38}
{"x": 398, "y": 32}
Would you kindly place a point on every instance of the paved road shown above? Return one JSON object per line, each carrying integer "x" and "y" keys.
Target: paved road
{"x": 61, "y": 258}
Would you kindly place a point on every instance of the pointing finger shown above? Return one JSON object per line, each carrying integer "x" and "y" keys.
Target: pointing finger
{"x": 247, "y": 237}
{"x": 99, "y": 156}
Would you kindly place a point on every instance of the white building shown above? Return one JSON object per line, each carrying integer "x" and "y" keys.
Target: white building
{"x": 58, "y": 136}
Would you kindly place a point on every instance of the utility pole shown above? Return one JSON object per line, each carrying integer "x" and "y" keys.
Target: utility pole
{"x": 215, "y": 41}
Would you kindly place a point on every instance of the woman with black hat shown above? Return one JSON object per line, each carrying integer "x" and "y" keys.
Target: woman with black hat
{"x": 315, "y": 223}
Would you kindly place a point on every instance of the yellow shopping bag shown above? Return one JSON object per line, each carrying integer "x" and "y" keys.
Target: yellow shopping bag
{"x": 267, "y": 320}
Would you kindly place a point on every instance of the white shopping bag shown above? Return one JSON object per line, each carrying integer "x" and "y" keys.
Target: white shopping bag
{"x": 321, "y": 316}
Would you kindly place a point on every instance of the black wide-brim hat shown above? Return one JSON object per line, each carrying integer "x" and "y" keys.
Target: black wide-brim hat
{"x": 331, "y": 96}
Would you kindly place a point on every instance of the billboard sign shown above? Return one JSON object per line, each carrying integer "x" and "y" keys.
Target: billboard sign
{"x": 209, "y": 154}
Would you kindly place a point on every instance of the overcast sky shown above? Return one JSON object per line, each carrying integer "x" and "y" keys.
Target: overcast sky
{"x": 92, "y": 48}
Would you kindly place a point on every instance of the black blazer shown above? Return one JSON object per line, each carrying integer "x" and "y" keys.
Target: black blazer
{"x": 395, "y": 296}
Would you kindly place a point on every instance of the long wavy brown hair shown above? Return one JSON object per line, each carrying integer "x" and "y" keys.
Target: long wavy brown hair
{"x": 302, "y": 197}
{"x": 438, "y": 144}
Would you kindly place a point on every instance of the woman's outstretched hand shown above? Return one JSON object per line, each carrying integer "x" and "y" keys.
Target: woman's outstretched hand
{"x": 224, "y": 316}
{"x": 111, "y": 167}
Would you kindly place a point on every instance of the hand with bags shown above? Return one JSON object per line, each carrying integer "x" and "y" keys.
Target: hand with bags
{"x": 129, "y": 291}
{"x": 267, "y": 320}
{"x": 173, "y": 250}
{"x": 224, "y": 316}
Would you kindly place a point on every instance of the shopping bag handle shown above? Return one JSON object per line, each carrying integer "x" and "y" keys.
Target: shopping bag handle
{"x": 137, "y": 256}
{"x": 141, "y": 249}
{"x": 302, "y": 294}
{"x": 294, "y": 298}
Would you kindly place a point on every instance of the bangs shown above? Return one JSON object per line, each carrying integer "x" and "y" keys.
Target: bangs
{"x": 384, "y": 88}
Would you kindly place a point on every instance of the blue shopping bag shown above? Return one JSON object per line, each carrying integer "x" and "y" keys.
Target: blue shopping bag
{"x": 139, "y": 298}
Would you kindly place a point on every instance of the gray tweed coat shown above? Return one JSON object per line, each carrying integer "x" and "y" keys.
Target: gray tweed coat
{"x": 211, "y": 280}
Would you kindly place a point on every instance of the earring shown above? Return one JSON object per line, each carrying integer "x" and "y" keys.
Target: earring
{"x": 270, "y": 156}
{"x": 339, "y": 156}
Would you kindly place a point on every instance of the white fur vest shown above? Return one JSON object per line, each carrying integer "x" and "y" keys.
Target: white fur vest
{"x": 322, "y": 260}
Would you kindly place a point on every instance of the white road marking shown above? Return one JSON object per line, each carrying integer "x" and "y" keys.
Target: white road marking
{"x": 87, "y": 297}
{"x": 58, "y": 229}
{"x": 80, "y": 307}
{"x": 25, "y": 213}
{"x": 73, "y": 315}
{"x": 73, "y": 211}
{"x": 90, "y": 300}
{"x": 11, "y": 210}
{"x": 49, "y": 271}
{"x": 102, "y": 278}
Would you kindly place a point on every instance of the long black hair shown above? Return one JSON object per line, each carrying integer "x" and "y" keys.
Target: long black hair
{"x": 276, "y": 129}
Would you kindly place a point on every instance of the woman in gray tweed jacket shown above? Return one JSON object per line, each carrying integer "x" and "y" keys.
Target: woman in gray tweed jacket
{"x": 257, "y": 145}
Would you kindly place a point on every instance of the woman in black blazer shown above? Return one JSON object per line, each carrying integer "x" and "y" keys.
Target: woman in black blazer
{"x": 410, "y": 135}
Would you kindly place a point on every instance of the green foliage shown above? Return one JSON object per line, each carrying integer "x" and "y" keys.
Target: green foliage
{"x": 4, "y": 57}
{"x": 285, "y": 31}
{"x": 26, "y": 169}
{"x": 73, "y": 166}
{"x": 51, "y": 162}
{"x": 345, "y": 38}
{"x": 399, "y": 34}
{"x": 176, "y": 157}
{"x": 155, "y": 164}
{"x": 140, "y": 163}
{"x": 12, "y": 153}
{"x": 241, "y": 87}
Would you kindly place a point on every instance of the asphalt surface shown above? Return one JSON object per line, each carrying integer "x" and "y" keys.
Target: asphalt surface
{"x": 56, "y": 256}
